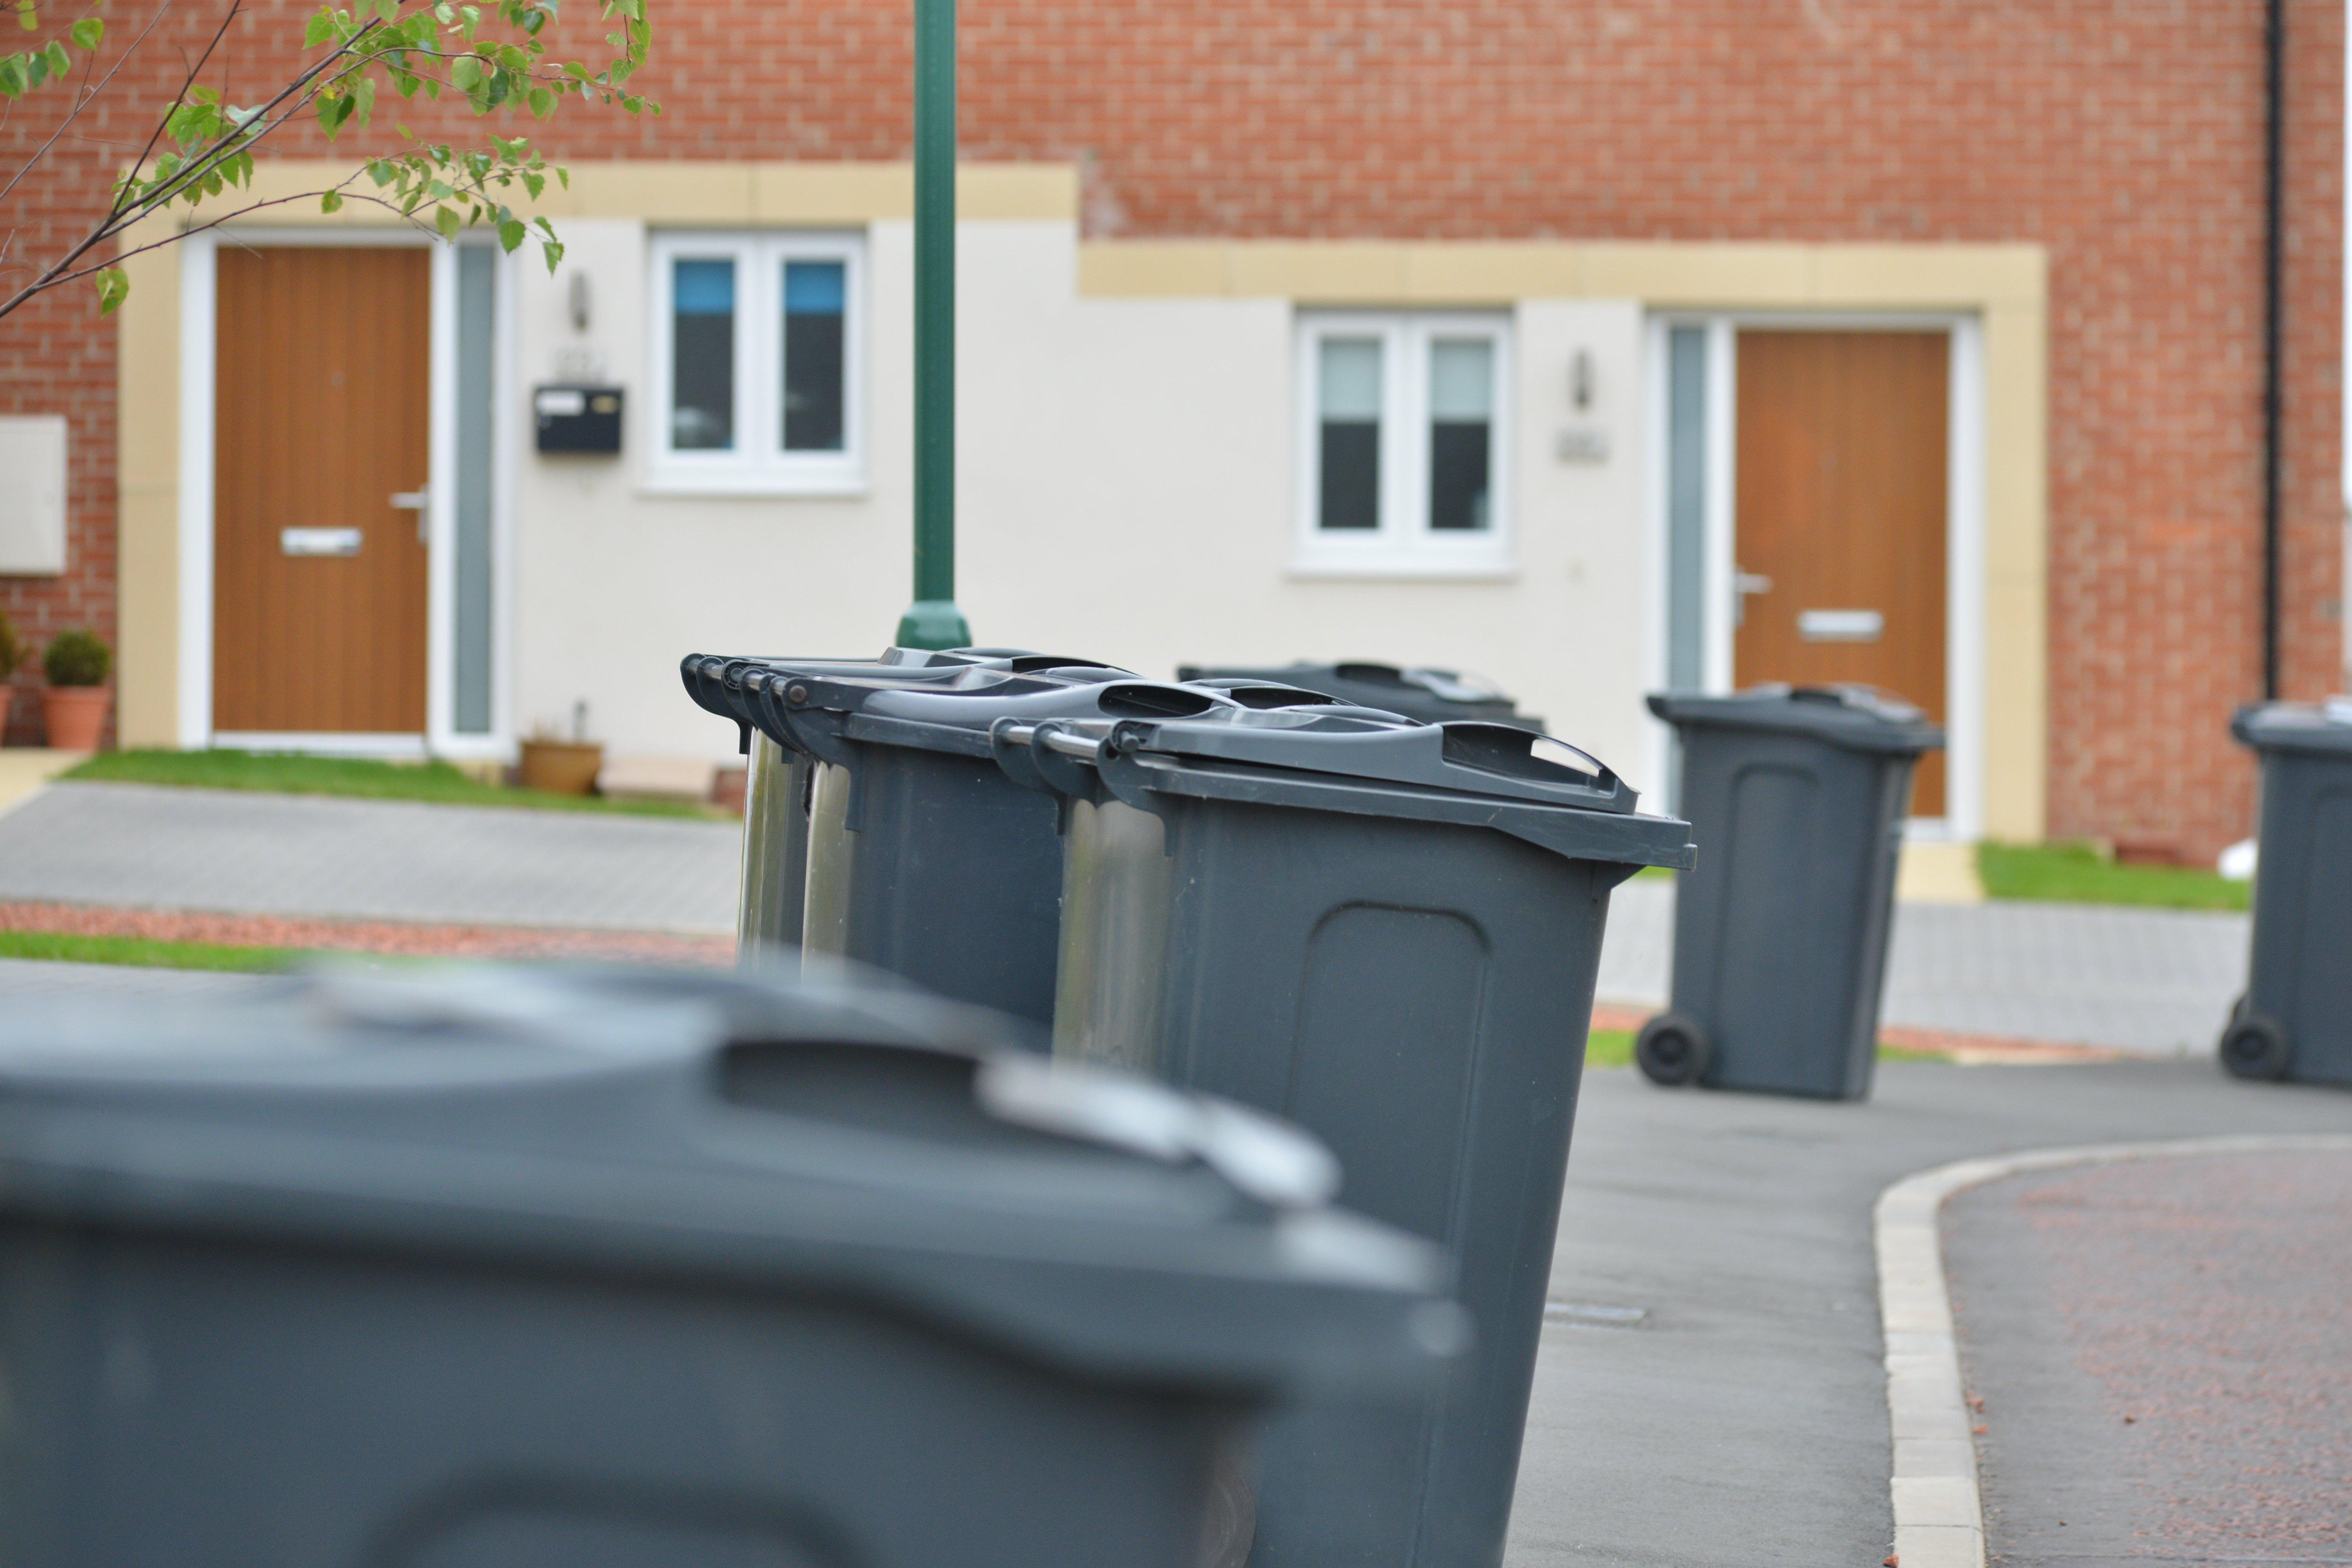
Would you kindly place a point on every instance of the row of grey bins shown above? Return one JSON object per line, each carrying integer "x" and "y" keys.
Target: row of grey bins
{"x": 1384, "y": 931}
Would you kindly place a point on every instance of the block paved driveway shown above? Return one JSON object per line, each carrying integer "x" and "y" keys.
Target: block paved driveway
{"x": 2159, "y": 982}
{"x": 314, "y": 855}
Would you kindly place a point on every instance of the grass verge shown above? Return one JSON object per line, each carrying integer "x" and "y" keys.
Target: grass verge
{"x": 2079, "y": 874}
{"x": 356, "y": 777}
{"x": 67, "y": 947}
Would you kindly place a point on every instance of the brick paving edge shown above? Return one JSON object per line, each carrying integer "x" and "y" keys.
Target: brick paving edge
{"x": 1932, "y": 1484}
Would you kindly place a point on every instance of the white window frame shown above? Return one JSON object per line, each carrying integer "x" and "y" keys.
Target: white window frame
{"x": 1403, "y": 545}
{"x": 759, "y": 465}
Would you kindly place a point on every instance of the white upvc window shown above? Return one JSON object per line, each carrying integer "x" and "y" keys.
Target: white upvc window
{"x": 1404, "y": 443}
{"x": 758, "y": 364}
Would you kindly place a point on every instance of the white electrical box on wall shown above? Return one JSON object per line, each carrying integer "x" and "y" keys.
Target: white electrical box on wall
{"x": 32, "y": 495}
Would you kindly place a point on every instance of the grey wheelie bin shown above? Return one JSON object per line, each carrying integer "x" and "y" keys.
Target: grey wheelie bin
{"x": 2296, "y": 1020}
{"x": 1432, "y": 696}
{"x": 1387, "y": 932}
{"x": 780, "y": 782}
{"x": 1797, "y": 796}
{"x": 535, "y": 1271}
{"x": 923, "y": 857}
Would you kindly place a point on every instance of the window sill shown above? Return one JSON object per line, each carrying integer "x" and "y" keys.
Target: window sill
{"x": 754, "y": 487}
{"x": 1413, "y": 567}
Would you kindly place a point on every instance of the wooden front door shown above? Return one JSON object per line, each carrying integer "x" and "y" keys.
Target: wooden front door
{"x": 321, "y": 427}
{"x": 1839, "y": 524}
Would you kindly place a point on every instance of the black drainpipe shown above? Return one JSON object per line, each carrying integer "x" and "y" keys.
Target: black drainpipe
{"x": 2273, "y": 309}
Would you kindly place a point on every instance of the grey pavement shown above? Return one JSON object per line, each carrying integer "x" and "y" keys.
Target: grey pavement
{"x": 2164, "y": 1358}
{"x": 1742, "y": 1419}
{"x": 2157, "y": 981}
{"x": 247, "y": 853}
{"x": 30, "y": 977}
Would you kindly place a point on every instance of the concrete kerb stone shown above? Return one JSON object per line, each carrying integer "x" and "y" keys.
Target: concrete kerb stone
{"x": 1933, "y": 1481}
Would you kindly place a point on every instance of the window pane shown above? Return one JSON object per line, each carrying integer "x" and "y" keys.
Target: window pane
{"x": 702, "y": 357}
{"x": 1460, "y": 432}
{"x": 814, "y": 298}
{"x": 1348, "y": 394}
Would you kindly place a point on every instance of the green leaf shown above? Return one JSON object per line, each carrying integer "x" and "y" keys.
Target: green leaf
{"x": 543, "y": 102}
{"x": 318, "y": 30}
{"x": 14, "y": 83}
{"x": 510, "y": 234}
{"x": 87, "y": 33}
{"x": 28, "y": 17}
{"x": 113, "y": 287}
{"x": 534, "y": 184}
{"x": 466, "y": 72}
{"x": 37, "y": 66}
{"x": 553, "y": 252}
{"x": 446, "y": 219}
{"x": 332, "y": 202}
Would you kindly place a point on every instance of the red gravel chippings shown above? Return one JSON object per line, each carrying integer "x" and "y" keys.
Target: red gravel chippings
{"x": 392, "y": 937}
{"x": 2166, "y": 1352}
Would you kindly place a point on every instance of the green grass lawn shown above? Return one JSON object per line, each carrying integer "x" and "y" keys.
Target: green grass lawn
{"x": 435, "y": 781}
{"x": 139, "y": 952}
{"x": 2077, "y": 873}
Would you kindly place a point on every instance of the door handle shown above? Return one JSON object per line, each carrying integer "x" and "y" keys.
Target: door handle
{"x": 1742, "y": 585}
{"x": 420, "y": 502}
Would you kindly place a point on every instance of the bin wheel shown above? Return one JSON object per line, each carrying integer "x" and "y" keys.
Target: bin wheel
{"x": 2255, "y": 1046}
{"x": 1231, "y": 1528}
{"x": 1673, "y": 1050}
{"x": 2238, "y": 1008}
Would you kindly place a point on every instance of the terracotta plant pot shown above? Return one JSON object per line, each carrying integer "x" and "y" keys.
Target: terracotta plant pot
{"x": 563, "y": 767}
{"x": 74, "y": 716}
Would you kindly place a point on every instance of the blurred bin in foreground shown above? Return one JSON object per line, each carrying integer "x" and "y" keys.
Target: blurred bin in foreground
{"x": 1797, "y": 796}
{"x": 1432, "y": 696}
{"x": 1387, "y": 932}
{"x": 2295, "y": 1019}
{"x": 534, "y": 1269}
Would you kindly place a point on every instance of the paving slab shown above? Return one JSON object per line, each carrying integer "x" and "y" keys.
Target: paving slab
{"x": 1742, "y": 1419}
{"x": 28, "y": 978}
{"x": 241, "y": 852}
{"x": 2163, "y": 1357}
{"x": 2156, "y": 981}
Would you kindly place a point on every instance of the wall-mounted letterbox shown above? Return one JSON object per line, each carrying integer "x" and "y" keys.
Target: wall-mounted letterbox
{"x": 578, "y": 418}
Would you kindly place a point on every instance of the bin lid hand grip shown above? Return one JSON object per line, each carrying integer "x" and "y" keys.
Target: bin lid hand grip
{"x": 1461, "y": 757}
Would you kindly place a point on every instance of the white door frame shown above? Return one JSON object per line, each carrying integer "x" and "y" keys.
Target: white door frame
{"x": 198, "y": 336}
{"x": 1964, "y": 529}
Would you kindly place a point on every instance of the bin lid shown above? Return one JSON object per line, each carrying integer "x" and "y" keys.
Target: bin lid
{"x": 733, "y": 688}
{"x": 1857, "y": 717}
{"x": 1420, "y": 691}
{"x": 723, "y": 1131}
{"x": 1353, "y": 760}
{"x": 2313, "y": 728}
{"x": 814, "y": 712}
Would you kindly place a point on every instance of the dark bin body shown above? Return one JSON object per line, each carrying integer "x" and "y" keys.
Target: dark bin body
{"x": 1797, "y": 799}
{"x": 610, "y": 1279}
{"x": 774, "y": 879}
{"x": 920, "y": 871}
{"x": 2299, "y": 979}
{"x": 924, "y": 858}
{"x": 1363, "y": 929}
{"x": 1431, "y": 696}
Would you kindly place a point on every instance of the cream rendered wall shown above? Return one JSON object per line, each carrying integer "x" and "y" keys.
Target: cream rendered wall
{"x": 1128, "y": 493}
{"x": 614, "y": 585}
{"x": 1125, "y": 493}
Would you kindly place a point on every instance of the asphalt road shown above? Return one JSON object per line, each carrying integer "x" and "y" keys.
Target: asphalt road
{"x": 2164, "y": 1353}
{"x": 1742, "y": 1419}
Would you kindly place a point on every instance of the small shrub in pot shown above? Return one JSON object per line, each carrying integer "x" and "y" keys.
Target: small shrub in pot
{"x": 74, "y": 707}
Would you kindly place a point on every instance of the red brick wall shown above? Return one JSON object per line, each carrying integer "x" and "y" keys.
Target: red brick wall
{"x": 2125, "y": 136}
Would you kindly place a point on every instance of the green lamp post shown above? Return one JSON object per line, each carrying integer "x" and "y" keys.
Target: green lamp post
{"x": 932, "y": 620}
